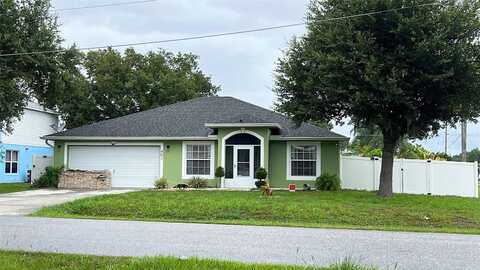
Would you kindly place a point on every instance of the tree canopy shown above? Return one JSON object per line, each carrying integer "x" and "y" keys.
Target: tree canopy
{"x": 84, "y": 87}
{"x": 406, "y": 70}
{"x": 26, "y": 26}
{"x": 105, "y": 84}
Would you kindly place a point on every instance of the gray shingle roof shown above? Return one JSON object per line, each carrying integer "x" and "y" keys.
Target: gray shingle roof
{"x": 188, "y": 118}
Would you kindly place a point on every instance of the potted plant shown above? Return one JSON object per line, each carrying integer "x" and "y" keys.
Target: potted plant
{"x": 219, "y": 174}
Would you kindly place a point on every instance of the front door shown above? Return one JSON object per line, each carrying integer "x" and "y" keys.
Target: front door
{"x": 243, "y": 162}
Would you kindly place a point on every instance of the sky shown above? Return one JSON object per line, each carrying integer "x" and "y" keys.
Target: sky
{"x": 242, "y": 65}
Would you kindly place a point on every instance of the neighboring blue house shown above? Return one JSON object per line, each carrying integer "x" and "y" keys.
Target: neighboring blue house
{"x": 18, "y": 148}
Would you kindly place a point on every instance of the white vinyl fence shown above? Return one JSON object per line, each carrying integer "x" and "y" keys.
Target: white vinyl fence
{"x": 413, "y": 176}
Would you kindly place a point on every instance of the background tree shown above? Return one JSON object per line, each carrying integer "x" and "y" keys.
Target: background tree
{"x": 405, "y": 72}
{"x": 106, "y": 84}
{"x": 472, "y": 156}
{"x": 369, "y": 143}
{"x": 26, "y": 26}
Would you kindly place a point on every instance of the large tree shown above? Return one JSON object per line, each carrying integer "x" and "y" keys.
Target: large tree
{"x": 405, "y": 71}
{"x": 105, "y": 84}
{"x": 25, "y": 26}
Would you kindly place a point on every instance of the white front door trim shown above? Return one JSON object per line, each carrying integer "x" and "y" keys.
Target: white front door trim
{"x": 240, "y": 131}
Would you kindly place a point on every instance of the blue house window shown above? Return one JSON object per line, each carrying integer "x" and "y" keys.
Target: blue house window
{"x": 11, "y": 162}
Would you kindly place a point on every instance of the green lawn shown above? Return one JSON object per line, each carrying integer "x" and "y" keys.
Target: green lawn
{"x": 346, "y": 209}
{"x": 48, "y": 261}
{"x": 14, "y": 187}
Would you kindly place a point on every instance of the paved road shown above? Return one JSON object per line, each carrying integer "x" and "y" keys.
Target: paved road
{"x": 26, "y": 202}
{"x": 242, "y": 243}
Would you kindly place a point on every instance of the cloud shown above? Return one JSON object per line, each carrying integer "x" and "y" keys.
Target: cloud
{"x": 242, "y": 65}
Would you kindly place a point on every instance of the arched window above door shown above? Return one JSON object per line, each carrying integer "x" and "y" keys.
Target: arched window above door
{"x": 243, "y": 139}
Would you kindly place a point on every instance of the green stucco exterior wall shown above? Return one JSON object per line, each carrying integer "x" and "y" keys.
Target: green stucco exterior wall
{"x": 275, "y": 158}
{"x": 59, "y": 154}
{"x": 329, "y": 162}
{"x": 172, "y": 163}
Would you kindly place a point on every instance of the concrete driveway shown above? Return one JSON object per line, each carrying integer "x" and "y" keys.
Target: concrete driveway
{"x": 26, "y": 202}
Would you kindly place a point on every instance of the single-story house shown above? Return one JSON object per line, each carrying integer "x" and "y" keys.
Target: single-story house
{"x": 191, "y": 138}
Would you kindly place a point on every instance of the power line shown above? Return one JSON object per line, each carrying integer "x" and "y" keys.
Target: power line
{"x": 105, "y": 5}
{"x": 216, "y": 35}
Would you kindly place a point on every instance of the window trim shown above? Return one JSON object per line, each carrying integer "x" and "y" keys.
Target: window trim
{"x": 11, "y": 162}
{"x": 184, "y": 160}
{"x": 289, "y": 162}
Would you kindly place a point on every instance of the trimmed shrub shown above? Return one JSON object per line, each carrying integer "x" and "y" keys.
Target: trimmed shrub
{"x": 328, "y": 182}
{"x": 219, "y": 174}
{"x": 161, "y": 183}
{"x": 261, "y": 174}
{"x": 197, "y": 182}
{"x": 49, "y": 178}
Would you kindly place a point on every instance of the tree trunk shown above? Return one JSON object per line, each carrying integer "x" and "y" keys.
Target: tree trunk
{"x": 386, "y": 174}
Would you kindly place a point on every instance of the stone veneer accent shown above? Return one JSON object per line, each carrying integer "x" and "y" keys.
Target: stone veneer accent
{"x": 77, "y": 179}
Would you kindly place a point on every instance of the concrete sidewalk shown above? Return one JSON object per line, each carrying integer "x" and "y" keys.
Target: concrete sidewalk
{"x": 26, "y": 202}
{"x": 388, "y": 250}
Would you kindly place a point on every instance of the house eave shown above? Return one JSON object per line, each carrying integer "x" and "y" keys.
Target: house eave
{"x": 217, "y": 125}
{"x": 282, "y": 138}
{"x": 110, "y": 138}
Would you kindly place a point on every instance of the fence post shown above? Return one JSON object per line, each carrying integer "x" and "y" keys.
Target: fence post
{"x": 475, "y": 181}
{"x": 402, "y": 170}
{"x": 374, "y": 176}
{"x": 428, "y": 177}
{"x": 373, "y": 172}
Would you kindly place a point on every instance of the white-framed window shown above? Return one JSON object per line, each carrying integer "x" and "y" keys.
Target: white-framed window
{"x": 198, "y": 159}
{"x": 11, "y": 162}
{"x": 303, "y": 161}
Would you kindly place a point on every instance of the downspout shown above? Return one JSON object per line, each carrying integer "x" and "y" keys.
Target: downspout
{"x": 47, "y": 143}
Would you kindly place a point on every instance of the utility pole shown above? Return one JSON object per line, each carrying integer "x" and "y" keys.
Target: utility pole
{"x": 464, "y": 141}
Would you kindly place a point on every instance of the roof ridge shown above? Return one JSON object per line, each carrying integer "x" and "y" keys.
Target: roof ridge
{"x": 260, "y": 107}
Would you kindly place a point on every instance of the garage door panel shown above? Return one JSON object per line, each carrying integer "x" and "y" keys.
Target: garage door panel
{"x": 131, "y": 166}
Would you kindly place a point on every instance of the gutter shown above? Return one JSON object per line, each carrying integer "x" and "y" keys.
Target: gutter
{"x": 109, "y": 138}
{"x": 217, "y": 125}
{"x": 195, "y": 138}
{"x": 282, "y": 138}
{"x": 47, "y": 143}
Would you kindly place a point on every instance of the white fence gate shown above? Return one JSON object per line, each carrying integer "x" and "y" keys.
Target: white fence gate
{"x": 413, "y": 176}
{"x": 39, "y": 164}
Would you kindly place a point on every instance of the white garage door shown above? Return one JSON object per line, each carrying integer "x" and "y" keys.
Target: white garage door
{"x": 132, "y": 166}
